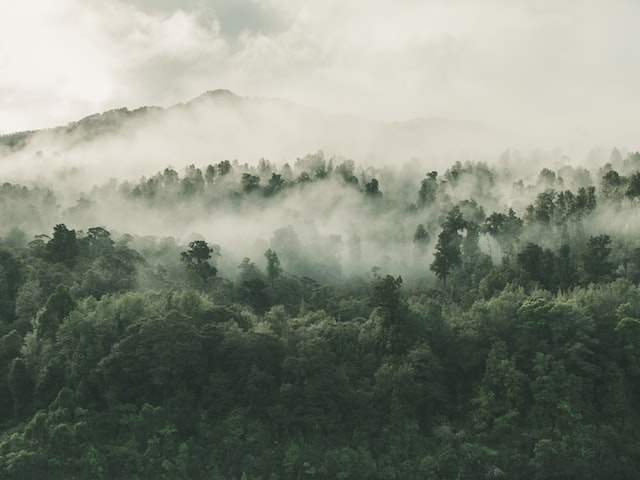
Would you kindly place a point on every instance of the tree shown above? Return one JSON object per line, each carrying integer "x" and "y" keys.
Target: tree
{"x": 392, "y": 312}
{"x": 10, "y": 281}
{"x": 97, "y": 243}
{"x": 539, "y": 264}
{"x": 428, "y": 189}
{"x": 421, "y": 236}
{"x": 505, "y": 228}
{"x": 58, "y": 306}
{"x": 613, "y": 185}
{"x": 547, "y": 177}
{"x": 565, "y": 268}
{"x": 21, "y": 387}
{"x": 632, "y": 192}
{"x": 275, "y": 185}
{"x": 273, "y": 265}
{"x": 586, "y": 198}
{"x": 224, "y": 168}
{"x": 448, "y": 247}
{"x": 210, "y": 174}
{"x": 193, "y": 181}
{"x": 250, "y": 182}
{"x": 372, "y": 188}
{"x": 386, "y": 292}
{"x": 63, "y": 247}
{"x": 345, "y": 171}
{"x": 196, "y": 260}
{"x": 543, "y": 208}
{"x": 595, "y": 259}
{"x": 252, "y": 289}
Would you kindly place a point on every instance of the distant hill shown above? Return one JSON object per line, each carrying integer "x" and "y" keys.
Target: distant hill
{"x": 224, "y": 124}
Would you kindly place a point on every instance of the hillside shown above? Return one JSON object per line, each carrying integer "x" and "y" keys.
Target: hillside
{"x": 322, "y": 319}
{"x": 220, "y": 122}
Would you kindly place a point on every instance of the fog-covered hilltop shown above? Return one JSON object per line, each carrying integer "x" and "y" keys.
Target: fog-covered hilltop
{"x": 222, "y": 125}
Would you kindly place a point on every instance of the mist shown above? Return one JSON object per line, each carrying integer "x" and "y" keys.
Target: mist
{"x": 141, "y": 173}
{"x": 326, "y": 239}
{"x": 495, "y": 92}
{"x": 548, "y": 75}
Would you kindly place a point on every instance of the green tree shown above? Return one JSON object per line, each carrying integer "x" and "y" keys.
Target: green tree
{"x": 193, "y": 181}
{"x": 392, "y": 313}
{"x": 448, "y": 247}
{"x": 210, "y": 174}
{"x": 21, "y": 387}
{"x": 96, "y": 243}
{"x": 613, "y": 185}
{"x": 275, "y": 185}
{"x": 565, "y": 268}
{"x": 538, "y": 264}
{"x": 11, "y": 276}
{"x": 595, "y": 258}
{"x": 252, "y": 288}
{"x": 63, "y": 247}
{"x": 632, "y": 192}
{"x": 428, "y": 189}
{"x": 224, "y": 168}
{"x": 273, "y": 265}
{"x": 543, "y": 209}
{"x": 345, "y": 172}
{"x": 505, "y": 228}
{"x": 58, "y": 306}
{"x": 250, "y": 182}
{"x": 372, "y": 188}
{"x": 196, "y": 261}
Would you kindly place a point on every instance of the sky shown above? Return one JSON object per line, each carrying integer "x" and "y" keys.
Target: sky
{"x": 564, "y": 70}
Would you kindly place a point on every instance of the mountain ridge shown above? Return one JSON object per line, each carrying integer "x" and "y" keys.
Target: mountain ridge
{"x": 221, "y": 122}
{"x": 108, "y": 118}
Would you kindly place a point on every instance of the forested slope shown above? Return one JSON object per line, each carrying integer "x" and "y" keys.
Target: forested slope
{"x": 469, "y": 324}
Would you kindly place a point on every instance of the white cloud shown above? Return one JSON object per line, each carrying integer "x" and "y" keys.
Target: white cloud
{"x": 561, "y": 70}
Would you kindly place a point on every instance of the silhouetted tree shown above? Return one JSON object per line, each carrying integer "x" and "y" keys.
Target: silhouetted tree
{"x": 250, "y": 182}
{"x": 275, "y": 185}
{"x": 428, "y": 189}
{"x": 613, "y": 185}
{"x": 196, "y": 261}
{"x": 63, "y": 247}
{"x": 595, "y": 259}
{"x": 372, "y": 188}
{"x": 448, "y": 247}
{"x": 224, "y": 168}
{"x": 273, "y": 265}
{"x": 632, "y": 192}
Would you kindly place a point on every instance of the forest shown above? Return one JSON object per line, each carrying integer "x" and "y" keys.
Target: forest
{"x": 321, "y": 320}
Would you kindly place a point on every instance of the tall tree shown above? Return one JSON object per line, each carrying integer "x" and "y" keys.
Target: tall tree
{"x": 196, "y": 260}
{"x": 273, "y": 265}
{"x": 58, "y": 306}
{"x": 448, "y": 247}
{"x": 632, "y": 192}
{"x": 372, "y": 188}
{"x": 428, "y": 189}
{"x": 595, "y": 259}
{"x": 63, "y": 247}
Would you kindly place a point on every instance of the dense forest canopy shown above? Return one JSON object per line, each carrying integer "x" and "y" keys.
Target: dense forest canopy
{"x": 322, "y": 319}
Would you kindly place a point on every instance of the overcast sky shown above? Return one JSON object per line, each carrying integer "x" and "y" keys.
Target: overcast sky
{"x": 563, "y": 68}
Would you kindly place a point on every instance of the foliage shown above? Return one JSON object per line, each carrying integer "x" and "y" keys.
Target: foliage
{"x": 139, "y": 357}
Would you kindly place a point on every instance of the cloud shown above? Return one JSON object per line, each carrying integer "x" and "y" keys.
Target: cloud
{"x": 553, "y": 71}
